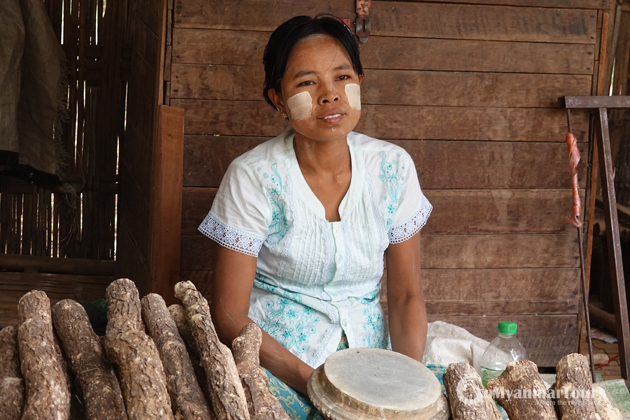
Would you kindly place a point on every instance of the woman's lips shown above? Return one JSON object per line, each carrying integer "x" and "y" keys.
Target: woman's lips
{"x": 333, "y": 118}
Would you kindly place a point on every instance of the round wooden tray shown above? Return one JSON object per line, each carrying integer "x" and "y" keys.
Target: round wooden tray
{"x": 369, "y": 384}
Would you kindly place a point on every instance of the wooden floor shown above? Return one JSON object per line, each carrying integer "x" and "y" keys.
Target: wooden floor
{"x": 601, "y": 350}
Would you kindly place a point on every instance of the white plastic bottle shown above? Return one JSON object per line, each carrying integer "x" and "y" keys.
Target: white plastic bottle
{"x": 502, "y": 350}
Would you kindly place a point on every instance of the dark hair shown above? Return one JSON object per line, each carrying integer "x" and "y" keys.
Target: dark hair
{"x": 284, "y": 38}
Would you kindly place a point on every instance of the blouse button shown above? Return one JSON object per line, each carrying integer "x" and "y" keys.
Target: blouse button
{"x": 339, "y": 257}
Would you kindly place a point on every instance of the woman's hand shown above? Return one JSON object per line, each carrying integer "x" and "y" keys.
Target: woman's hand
{"x": 407, "y": 313}
{"x": 231, "y": 288}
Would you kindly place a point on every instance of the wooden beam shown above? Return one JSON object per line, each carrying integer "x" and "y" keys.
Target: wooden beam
{"x": 590, "y": 102}
{"x": 400, "y": 19}
{"x": 392, "y": 121}
{"x": 569, "y": 4}
{"x": 79, "y": 266}
{"x": 449, "y": 251}
{"x": 166, "y": 203}
{"x": 603, "y": 318}
{"x": 244, "y": 47}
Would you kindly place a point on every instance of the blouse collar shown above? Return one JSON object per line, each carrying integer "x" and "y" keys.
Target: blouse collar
{"x": 303, "y": 190}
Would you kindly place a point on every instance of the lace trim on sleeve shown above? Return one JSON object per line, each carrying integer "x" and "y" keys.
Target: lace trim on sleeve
{"x": 406, "y": 230}
{"x": 230, "y": 238}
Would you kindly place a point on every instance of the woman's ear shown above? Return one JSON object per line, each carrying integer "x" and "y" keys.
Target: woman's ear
{"x": 277, "y": 100}
{"x": 360, "y": 79}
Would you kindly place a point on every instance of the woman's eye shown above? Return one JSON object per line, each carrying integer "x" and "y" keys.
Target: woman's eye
{"x": 344, "y": 77}
{"x": 306, "y": 83}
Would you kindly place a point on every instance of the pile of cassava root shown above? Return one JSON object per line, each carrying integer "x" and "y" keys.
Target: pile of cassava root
{"x": 153, "y": 363}
{"x": 521, "y": 391}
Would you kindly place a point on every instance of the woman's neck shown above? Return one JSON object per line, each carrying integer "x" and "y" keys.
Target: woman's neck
{"x": 316, "y": 156}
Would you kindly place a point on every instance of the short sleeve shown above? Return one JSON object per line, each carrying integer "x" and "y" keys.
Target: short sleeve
{"x": 238, "y": 219}
{"x": 411, "y": 210}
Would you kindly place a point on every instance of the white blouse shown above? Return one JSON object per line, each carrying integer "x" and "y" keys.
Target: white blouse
{"x": 316, "y": 280}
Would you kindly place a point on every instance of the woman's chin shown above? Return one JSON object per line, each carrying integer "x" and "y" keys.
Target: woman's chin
{"x": 329, "y": 134}
{"x": 324, "y": 130}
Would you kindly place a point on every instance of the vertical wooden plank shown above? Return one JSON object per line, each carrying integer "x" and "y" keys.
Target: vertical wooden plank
{"x": 609, "y": 38}
{"x": 99, "y": 20}
{"x": 592, "y": 189}
{"x": 54, "y": 11}
{"x": 27, "y": 228}
{"x": 5, "y": 215}
{"x": 114, "y": 91}
{"x": 37, "y": 248}
{"x": 92, "y": 19}
{"x": 167, "y": 63}
{"x": 14, "y": 239}
{"x": 111, "y": 225}
{"x": 30, "y": 211}
{"x": 46, "y": 213}
{"x": 70, "y": 36}
{"x": 67, "y": 204}
{"x": 166, "y": 202}
{"x": 55, "y": 224}
{"x": 19, "y": 214}
{"x": 84, "y": 135}
{"x": 87, "y": 231}
{"x": 63, "y": 227}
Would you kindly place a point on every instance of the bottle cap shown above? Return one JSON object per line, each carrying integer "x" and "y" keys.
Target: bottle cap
{"x": 507, "y": 328}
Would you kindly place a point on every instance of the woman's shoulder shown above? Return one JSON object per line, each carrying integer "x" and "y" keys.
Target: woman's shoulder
{"x": 377, "y": 151}
{"x": 265, "y": 154}
{"x": 371, "y": 146}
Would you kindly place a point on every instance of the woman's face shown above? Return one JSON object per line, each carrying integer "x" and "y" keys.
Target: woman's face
{"x": 320, "y": 90}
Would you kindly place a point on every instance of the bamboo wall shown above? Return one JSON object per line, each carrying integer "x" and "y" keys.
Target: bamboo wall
{"x": 58, "y": 234}
{"x": 470, "y": 91}
{"x": 74, "y": 216}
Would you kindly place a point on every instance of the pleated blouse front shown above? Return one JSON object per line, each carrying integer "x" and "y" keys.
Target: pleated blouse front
{"x": 316, "y": 280}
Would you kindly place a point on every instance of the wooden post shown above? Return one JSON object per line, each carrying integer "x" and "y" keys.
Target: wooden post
{"x": 614, "y": 242}
{"x": 602, "y": 104}
{"x": 166, "y": 203}
{"x": 599, "y": 89}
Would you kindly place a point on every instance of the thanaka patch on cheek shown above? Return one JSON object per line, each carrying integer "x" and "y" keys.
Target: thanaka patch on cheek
{"x": 300, "y": 105}
{"x": 353, "y": 92}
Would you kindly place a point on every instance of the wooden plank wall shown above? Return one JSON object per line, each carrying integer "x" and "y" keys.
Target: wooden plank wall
{"x": 469, "y": 90}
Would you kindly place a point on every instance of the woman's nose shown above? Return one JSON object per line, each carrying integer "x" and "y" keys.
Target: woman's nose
{"x": 329, "y": 94}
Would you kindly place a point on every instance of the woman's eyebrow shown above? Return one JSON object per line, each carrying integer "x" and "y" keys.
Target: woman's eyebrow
{"x": 304, "y": 73}
{"x": 344, "y": 66}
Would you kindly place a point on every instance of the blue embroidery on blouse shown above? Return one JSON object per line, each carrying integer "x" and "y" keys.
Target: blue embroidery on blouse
{"x": 275, "y": 192}
{"x": 393, "y": 183}
{"x": 374, "y": 327}
{"x": 290, "y": 323}
{"x": 259, "y": 282}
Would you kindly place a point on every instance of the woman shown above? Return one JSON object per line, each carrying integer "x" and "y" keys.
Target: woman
{"x": 305, "y": 220}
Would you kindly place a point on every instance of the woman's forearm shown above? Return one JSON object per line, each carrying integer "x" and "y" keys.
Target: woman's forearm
{"x": 273, "y": 356}
{"x": 408, "y": 326}
{"x": 407, "y": 313}
{"x": 231, "y": 289}
{"x": 283, "y": 364}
